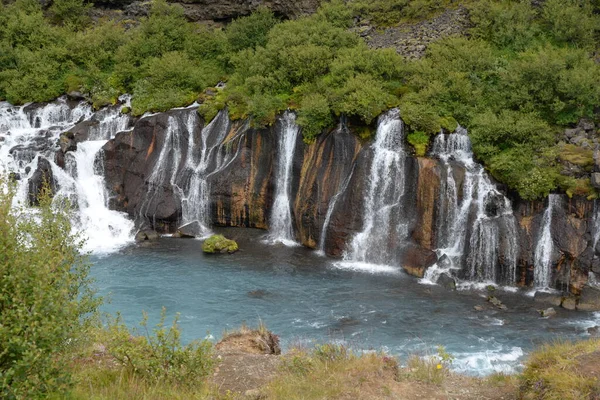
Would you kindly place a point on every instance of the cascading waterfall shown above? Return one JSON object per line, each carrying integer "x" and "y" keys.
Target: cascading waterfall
{"x": 542, "y": 262}
{"x": 165, "y": 168}
{"x": 383, "y": 228}
{"x": 196, "y": 199}
{"x": 30, "y": 132}
{"x": 281, "y": 229}
{"x": 492, "y": 236}
{"x": 106, "y": 230}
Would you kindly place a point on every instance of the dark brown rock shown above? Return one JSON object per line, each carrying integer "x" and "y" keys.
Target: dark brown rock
{"x": 417, "y": 260}
{"x": 328, "y": 165}
{"x": 42, "y": 176}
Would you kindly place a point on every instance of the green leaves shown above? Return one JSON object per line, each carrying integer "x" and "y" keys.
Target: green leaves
{"x": 45, "y": 298}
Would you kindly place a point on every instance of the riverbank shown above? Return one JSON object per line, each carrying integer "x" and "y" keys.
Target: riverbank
{"x": 246, "y": 369}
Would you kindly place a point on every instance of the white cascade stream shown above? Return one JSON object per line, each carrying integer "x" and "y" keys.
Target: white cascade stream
{"x": 370, "y": 249}
{"x": 542, "y": 265}
{"x": 281, "y": 228}
{"x": 493, "y": 234}
{"x": 196, "y": 197}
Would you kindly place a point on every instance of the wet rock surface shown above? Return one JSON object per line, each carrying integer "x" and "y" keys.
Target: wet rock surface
{"x": 329, "y": 181}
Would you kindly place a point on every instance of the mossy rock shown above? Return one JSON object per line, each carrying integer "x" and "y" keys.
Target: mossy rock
{"x": 219, "y": 244}
{"x": 125, "y": 110}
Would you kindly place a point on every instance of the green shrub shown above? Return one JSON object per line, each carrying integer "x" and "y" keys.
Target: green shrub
{"x": 391, "y": 12}
{"x": 45, "y": 299}
{"x": 419, "y": 140}
{"x": 250, "y": 32}
{"x": 159, "y": 357}
{"x": 314, "y": 116}
{"x": 72, "y": 13}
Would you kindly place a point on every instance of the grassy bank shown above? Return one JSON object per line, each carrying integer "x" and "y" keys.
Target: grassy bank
{"x": 561, "y": 370}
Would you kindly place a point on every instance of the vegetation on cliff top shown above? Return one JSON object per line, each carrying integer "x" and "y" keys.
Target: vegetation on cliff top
{"x": 524, "y": 71}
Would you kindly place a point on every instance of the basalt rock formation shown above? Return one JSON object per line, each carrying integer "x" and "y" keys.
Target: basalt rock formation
{"x": 450, "y": 218}
{"x": 329, "y": 180}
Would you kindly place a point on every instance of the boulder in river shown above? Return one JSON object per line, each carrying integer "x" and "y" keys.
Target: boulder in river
{"x": 190, "y": 230}
{"x": 589, "y": 300}
{"x": 548, "y": 312}
{"x": 146, "y": 234}
{"x": 446, "y": 281}
{"x": 569, "y": 303}
{"x": 219, "y": 244}
{"x": 548, "y": 298}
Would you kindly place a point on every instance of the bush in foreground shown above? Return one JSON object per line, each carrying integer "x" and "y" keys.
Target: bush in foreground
{"x": 45, "y": 299}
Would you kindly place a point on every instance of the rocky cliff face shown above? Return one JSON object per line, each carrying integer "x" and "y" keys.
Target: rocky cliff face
{"x": 329, "y": 180}
{"x": 203, "y": 10}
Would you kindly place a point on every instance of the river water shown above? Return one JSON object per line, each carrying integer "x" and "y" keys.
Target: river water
{"x": 306, "y": 299}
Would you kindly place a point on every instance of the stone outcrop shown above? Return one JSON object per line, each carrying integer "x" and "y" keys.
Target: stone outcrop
{"x": 411, "y": 40}
{"x": 227, "y": 10}
{"x": 43, "y": 175}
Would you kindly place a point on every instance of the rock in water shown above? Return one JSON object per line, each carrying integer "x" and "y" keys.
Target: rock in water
{"x": 569, "y": 303}
{"x": 550, "y": 298}
{"x": 589, "y": 299}
{"x": 548, "y": 312}
{"x": 496, "y": 302}
{"x": 219, "y": 244}
{"x": 146, "y": 234}
{"x": 190, "y": 230}
{"x": 447, "y": 281}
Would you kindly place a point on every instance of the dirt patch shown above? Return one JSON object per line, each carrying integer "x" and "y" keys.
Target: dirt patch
{"x": 242, "y": 372}
{"x": 587, "y": 365}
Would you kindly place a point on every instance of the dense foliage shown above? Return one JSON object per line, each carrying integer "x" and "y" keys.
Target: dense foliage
{"x": 45, "y": 299}
{"x": 524, "y": 71}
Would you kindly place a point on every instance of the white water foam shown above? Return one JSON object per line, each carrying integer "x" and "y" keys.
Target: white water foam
{"x": 106, "y": 230}
{"x": 504, "y": 360}
{"x": 367, "y": 267}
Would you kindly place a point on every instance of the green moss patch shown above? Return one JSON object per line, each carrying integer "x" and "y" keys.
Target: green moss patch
{"x": 576, "y": 155}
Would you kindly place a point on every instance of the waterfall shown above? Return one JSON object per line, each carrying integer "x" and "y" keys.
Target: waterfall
{"x": 195, "y": 201}
{"x": 106, "y": 230}
{"x": 281, "y": 229}
{"x": 477, "y": 234}
{"x": 383, "y": 228}
{"x": 30, "y": 132}
{"x": 164, "y": 171}
{"x": 542, "y": 264}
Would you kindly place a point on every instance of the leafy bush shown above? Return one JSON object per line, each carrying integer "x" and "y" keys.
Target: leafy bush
{"x": 250, "y": 32}
{"x": 314, "y": 116}
{"x": 159, "y": 356}
{"x": 45, "y": 298}
{"x": 419, "y": 140}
